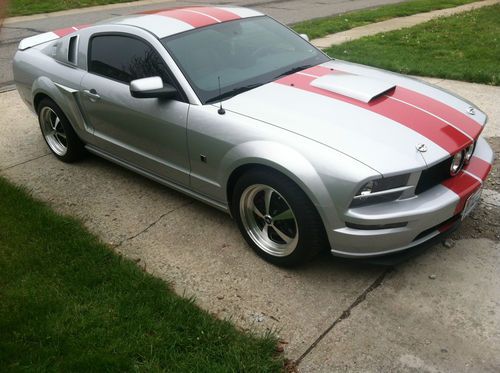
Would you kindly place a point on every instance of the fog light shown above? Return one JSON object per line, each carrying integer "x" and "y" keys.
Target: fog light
{"x": 456, "y": 163}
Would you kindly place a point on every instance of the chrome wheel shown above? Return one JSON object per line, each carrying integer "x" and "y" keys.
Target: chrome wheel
{"x": 53, "y": 131}
{"x": 269, "y": 220}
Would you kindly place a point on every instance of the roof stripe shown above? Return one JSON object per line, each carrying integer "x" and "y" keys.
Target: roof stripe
{"x": 222, "y": 15}
{"x": 422, "y": 122}
{"x": 68, "y": 30}
{"x": 197, "y": 16}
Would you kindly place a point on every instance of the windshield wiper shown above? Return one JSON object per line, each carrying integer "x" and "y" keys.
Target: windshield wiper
{"x": 294, "y": 70}
{"x": 234, "y": 92}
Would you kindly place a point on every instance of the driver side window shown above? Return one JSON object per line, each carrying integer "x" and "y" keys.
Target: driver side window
{"x": 124, "y": 59}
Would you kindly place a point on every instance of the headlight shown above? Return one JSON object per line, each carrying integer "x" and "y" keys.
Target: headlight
{"x": 468, "y": 152}
{"x": 380, "y": 190}
{"x": 366, "y": 189}
{"x": 457, "y": 163}
{"x": 382, "y": 184}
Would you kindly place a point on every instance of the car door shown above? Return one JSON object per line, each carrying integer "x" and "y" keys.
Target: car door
{"x": 149, "y": 133}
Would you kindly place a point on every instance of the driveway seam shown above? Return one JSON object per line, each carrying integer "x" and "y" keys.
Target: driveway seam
{"x": 346, "y": 313}
{"x": 24, "y": 162}
{"x": 152, "y": 224}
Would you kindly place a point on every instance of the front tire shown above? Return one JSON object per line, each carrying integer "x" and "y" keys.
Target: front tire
{"x": 276, "y": 218}
{"x": 58, "y": 133}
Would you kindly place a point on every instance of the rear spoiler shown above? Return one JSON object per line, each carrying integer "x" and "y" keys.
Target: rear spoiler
{"x": 48, "y": 36}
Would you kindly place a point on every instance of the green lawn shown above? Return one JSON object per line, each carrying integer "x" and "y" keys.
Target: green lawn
{"x": 461, "y": 47}
{"x": 320, "y": 27}
{"x": 25, "y": 7}
{"x": 68, "y": 303}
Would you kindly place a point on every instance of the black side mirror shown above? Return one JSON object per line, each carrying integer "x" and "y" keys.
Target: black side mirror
{"x": 151, "y": 88}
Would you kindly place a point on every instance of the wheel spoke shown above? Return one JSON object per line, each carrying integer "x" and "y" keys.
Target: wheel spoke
{"x": 265, "y": 230}
{"x": 56, "y": 123}
{"x": 285, "y": 215}
{"x": 257, "y": 212}
{"x": 282, "y": 235}
{"x": 267, "y": 200}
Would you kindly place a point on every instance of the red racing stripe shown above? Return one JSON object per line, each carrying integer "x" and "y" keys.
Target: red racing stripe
{"x": 221, "y": 14}
{"x": 440, "y": 109}
{"x": 68, "y": 30}
{"x": 425, "y": 124}
{"x": 197, "y": 16}
{"x": 463, "y": 185}
{"x": 478, "y": 167}
{"x": 193, "y": 19}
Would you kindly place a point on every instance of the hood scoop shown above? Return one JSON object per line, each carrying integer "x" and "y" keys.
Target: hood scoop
{"x": 354, "y": 86}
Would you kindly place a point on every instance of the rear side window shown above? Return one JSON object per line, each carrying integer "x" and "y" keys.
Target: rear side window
{"x": 124, "y": 59}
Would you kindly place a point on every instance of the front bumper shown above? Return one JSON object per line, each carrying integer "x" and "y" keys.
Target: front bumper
{"x": 426, "y": 215}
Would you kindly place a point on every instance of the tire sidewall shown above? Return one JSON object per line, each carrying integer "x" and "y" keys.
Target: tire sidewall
{"x": 301, "y": 207}
{"x": 75, "y": 146}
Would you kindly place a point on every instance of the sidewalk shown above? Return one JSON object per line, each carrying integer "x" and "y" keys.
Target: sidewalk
{"x": 394, "y": 24}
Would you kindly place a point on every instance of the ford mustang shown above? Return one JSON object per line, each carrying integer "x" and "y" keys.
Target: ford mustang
{"x": 233, "y": 108}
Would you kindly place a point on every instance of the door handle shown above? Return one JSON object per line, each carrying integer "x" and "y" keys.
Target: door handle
{"x": 92, "y": 95}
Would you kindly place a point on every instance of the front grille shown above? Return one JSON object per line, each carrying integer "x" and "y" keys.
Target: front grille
{"x": 433, "y": 176}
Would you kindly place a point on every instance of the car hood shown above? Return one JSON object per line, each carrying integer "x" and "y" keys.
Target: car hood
{"x": 387, "y": 121}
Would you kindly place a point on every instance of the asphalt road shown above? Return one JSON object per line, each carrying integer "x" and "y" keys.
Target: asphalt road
{"x": 287, "y": 11}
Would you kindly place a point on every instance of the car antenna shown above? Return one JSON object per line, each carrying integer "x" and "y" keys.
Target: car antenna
{"x": 221, "y": 111}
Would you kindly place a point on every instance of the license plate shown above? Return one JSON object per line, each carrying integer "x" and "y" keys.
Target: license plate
{"x": 471, "y": 203}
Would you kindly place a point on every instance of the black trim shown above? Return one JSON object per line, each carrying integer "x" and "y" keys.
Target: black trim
{"x": 434, "y": 175}
{"x": 375, "y": 226}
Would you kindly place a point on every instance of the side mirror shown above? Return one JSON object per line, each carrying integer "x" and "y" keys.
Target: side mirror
{"x": 151, "y": 88}
{"x": 305, "y": 37}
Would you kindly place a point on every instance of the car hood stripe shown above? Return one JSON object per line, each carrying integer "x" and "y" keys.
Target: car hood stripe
{"x": 412, "y": 116}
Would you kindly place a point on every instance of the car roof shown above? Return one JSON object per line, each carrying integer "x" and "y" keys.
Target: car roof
{"x": 167, "y": 22}
{"x": 161, "y": 23}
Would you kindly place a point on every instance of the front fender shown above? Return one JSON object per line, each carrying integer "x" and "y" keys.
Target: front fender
{"x": 284, "y": 159}
{"x": 289, "y": 162}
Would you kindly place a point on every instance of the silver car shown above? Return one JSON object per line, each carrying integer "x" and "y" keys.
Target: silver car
{"x": 232, "y": 108}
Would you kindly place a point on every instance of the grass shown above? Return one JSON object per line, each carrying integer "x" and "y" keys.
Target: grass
{"x": 27, "y": 7}
{"x": 68, "y": 303}
{"x": 462, "y": 47}
{"x": 318, "y": 28}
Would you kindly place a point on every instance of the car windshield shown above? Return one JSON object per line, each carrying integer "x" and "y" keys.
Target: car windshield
{"x": 243, "y": 54}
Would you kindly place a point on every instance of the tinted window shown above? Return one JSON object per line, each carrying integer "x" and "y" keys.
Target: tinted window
{"x": 243, "y": 53}
{"x": 125, "y": 59}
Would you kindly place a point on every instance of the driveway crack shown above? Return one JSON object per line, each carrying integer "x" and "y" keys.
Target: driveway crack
{"x": 346, "y": 313}
{"x": 152, "y": 224}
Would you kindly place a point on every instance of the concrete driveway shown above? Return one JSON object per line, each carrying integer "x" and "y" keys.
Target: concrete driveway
{"x": 437, "y": 312}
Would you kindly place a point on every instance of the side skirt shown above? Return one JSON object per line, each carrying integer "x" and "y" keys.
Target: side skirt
{"x": 140, "y": 171}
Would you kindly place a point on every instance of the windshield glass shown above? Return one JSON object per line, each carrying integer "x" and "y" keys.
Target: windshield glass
{"x": 243, "y": 53}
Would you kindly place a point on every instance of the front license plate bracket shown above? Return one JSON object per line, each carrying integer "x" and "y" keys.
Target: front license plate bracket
{"x": 471, "y": 203}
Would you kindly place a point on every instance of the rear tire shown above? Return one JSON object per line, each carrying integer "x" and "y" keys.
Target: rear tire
{"x": 58, "y": 132}
{"x": 276, "y": 218}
